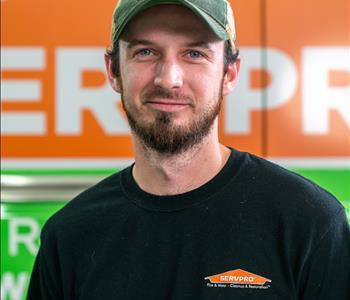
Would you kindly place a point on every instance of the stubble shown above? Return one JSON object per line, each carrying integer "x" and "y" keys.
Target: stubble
{"x": 162, "y": 135}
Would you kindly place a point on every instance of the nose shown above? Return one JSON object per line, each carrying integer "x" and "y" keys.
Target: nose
{"x": 169, "y": 74}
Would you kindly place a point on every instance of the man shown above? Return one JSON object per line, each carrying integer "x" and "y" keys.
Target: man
{"x": 191, "y": 218}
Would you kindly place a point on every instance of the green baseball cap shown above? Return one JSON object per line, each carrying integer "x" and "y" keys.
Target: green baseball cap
{"x": 216, "y": 13}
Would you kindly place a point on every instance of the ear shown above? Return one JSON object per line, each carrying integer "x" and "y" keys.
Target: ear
{"x": 231, "y": 77}
{"x": 113, "y": 80}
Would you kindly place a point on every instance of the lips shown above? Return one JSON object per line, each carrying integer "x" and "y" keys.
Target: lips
{"x": 167, "y": 104}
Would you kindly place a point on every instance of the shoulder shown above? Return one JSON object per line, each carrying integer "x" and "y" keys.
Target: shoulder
{"x": 291, "y": 209}
{"x": 88, "y": 207}
{"x": 287, "y": 193}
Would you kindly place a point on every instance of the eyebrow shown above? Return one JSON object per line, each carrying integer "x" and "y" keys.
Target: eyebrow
{"x": 134, "y": 43}
{"x": 200, "y": 44}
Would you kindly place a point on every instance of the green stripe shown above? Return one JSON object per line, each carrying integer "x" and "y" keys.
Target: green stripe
{"x": 336, "y": 181}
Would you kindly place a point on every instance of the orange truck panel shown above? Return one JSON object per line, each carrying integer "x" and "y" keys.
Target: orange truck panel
{"x": 292, "y": 99}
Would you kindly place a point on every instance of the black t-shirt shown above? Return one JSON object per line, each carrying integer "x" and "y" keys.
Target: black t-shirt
{"x": 254, "y": 231}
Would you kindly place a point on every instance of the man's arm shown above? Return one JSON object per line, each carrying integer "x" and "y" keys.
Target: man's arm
{"x": 46, "y": 282}
{"x": 327, "y": 273}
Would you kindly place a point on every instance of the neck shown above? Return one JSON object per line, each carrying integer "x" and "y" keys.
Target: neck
{"x": 165, "y": 174}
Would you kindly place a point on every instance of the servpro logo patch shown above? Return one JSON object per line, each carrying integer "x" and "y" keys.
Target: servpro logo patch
{"x": 238, "y": 279}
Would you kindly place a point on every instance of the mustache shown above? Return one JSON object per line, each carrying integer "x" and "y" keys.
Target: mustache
{"x": 162, "y": 93}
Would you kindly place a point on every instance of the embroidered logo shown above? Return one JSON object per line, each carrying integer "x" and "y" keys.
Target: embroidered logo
{"x": 238, "y": 279}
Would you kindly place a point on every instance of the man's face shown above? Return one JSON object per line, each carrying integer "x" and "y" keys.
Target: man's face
{"x": 171, "y": 78}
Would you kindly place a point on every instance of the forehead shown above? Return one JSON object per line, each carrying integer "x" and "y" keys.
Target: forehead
{"x": 170, "y": 19}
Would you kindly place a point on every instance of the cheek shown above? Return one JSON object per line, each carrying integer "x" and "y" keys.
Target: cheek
{"x": 138, "y": 74}
{"x": 208, "y": 85}
{"x": 133, "y": 82}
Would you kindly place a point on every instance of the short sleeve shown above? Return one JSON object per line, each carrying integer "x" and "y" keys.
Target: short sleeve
{"x": 327, "y": 273}
{"x": 45, "y": 279}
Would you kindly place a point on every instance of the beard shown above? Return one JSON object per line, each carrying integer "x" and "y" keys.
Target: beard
{"x": 162, "y": 135}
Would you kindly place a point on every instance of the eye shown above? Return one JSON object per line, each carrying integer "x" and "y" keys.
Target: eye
{"x": 144, "y": 52}
{"x": 195, "y": 54}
